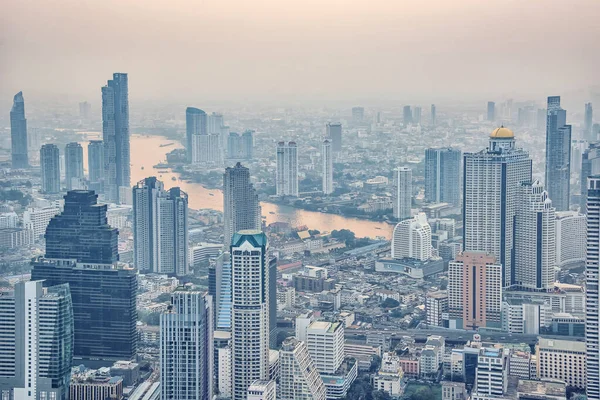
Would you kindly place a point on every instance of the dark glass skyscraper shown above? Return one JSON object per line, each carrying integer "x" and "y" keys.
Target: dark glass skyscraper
{"x": 442, "y": 175}
{"x": 334, "y": 133}
{"x": 248, "y": 144}
{"x": 18, "y": 133}
{"x": 558, "y": 154}
{"x": 588, "y": 123}
{"x": 73, "y": 164}
{"x": 50, "y": 168}
{"x": 241, "y": 209}
{"x": 96, "y": 165}
{"x": 491, "y": 111}
{"x": 115, "y": 135}
{"x": 195, "y": 124}
{"x": 407, "y": 114}
{"x": 433, "y": 117}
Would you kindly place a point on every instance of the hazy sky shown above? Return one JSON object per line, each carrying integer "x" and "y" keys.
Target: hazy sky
{"x": 311, "y": 50}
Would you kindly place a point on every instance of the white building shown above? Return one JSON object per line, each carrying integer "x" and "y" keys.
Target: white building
{"x": 389, "y": 377}
{"x": 436, "y": 307}
{"x": 262, "y": 390}
{"x": 9, "y": 220}
{"x": 326, "y": 345}
{"x": 206, "y": 149}
{"x": 224, "y": 378}
{"x": 402, "y": 194}
{"x": 37, "y": 219}
{"x": 491, "y": 376}
{"x": 250, "y": 310}
{"x": 592, "y": 328}
{"x": 287, "y": 169}
{"x": 564, "y": 360}
{"x": 526, "y": 317}
{"x": 327, "y": 167}
{"x": 570, "y": 238}
{"x": 412, "y": 239}
{"x": 298, "y": 377}
{"x": 303, "y": 321}
{"x": 202, "y": 252}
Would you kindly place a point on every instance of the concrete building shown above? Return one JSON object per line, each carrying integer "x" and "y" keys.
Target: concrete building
{"x": 570, "y": 238}
{"x": 590, "y": 165}
{"x": 558, "y": 154}
{"x": 412, "y": 239}
{"x": 436, "y": 307}
{"x": 18, "y": 133}
{"x": 390, "y": 375}
{"x": 492, "y": 374}
{"x": 402, "y": 193}
{"x": 241, "y": 209}
{"x": 14, "y": 238}
{"x": 195, "y": 125}
{"x": 327, "y": 171}
{"x": 98, "y": 384}
{"x": 96, "y": 165}
{"x": 50, "y": 168}
{"x": 442, "y": 175}
{"x": 325, "y": 342}
{"x": 298, "y": 376}
{"x": 333, "y": 131}
{"x": 262, "y": 390}
{"x": 592, "y": 273}
{"x": 286, "y": 183}
{"x": 564, "y": 360}
{"x": 454, "y": 391}
{"x": 73, "y": 166}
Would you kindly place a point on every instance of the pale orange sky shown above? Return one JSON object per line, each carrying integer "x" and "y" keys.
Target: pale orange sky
{"x": 329, "y": 50}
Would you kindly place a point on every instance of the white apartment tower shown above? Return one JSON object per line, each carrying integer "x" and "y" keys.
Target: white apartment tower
{"x": 592, "y": 328}
{"x": 412, "y": 239}
{"x": 186, "y": 347}
{"x": 491, "y": 376}
{"x": 327, "y": 167}
{"x": 570, "y": 238}
{"x": 326, "y": 345}
{"x": 287, "y": 169}
{"x": 250, "y": 310}
{"x": 298, "y": 377}
{"x": 490, "y": 197}
{"x": 402, "y": 195}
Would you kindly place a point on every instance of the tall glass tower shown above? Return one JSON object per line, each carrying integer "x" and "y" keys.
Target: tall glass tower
{"x": 50, "y": 168}
{"x": 96, "y": 165}
{"x": 195, "y": 125}
{"x": 558, "y": 154}
{"x": 442, "y": 175}
{"x": 241, "y": 209}
{"x": 592, "y": 275}
{"x": 73, "y": 164}
{"x": 18, "y": 133}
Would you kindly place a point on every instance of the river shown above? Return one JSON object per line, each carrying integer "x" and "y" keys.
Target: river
{"x": 146, "y": 151}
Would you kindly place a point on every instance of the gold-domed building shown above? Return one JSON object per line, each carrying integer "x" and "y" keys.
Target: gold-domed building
{"x": 502, "y": 133}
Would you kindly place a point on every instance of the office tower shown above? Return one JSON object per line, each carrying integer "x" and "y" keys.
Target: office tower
{"x": 96, "y": 165}
{"x": 287, "y": 169}
{"x": 327, "y": 167}
{"x": 215, "y": 123}
{"x": 250, "y": 310}
{"x": 325, "y": 341}
{"x": 115, "y": 135}
{"x": 475, "y": 291}
{"x": 558, "y": 155}
{"x": 36, "y": 342}
{"x": 570, "y": 238}
{"x": 261, "y": 390}
{"x": 358, "y": 114}
{"x": 590, "y": 165}
{"x": 73, "y": 165}
{"x": 402, "y": 194}
{"x": 18, "y": 133}
{"x": 219, "y": 287}
{"x": 160, "y": 228}
{"x": 433, "y": 119}
{"x": 407, "y": 114}
{"x": 588, "y": 123}
{"x": 186, "y": 347}
{"x": 491, "y": 180}
{"x": 592, "y": 272}
{"x": 241, "y": 209}
{"x": 85, "y": 109}
{"x": 491, "y": 111}
{"x": 535, "y": 233}
{"x": 491, "y": 379}
{"x": 248, "y": 145}
{"x": 206, "y": 149}
{"x": 442, "y": 176}
{"x": 333, "y": 132}
{"x": 82, "y": 250}
{"x": 412, "y": 239}
{"x": 298, "y": 377}
{"x": 195, "y": 124}
{"x": 50, "y": 168}
{"x": 234, "y": 146}
{"x": 416, "y": 118}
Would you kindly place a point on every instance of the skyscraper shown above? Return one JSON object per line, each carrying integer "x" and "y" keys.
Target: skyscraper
{"x": 195, "y": 124}
{"x": 186, "y": 347}
{"x": 84, "y": 109}
{"x": 588, "y": 123}
{"x": 241, "y": 209}
{"x": 592, "y": 275}
{"x": 442, "y": 176}
{"x": 18, "y": 133}
{"x": 590, "y": 165}
{"x": 82, "y": 250}
{"x": 412, "y": 239}
{"x": 215, "y": 123}
{"x": 416, "y": 118}
{"x": 160, "y": 228}
{"x": 333, "y": 132}
{"x": 327, "y": 172}
{"x": 115, "y": 136}
{"x": 491, "y": 181}
{"x": 402, "y": 195}
{"x": 358, "y": 114}
{"x": 36, "y": 342}
{"x": 248, "y": 144}
{"x": 491, "y": 111}
{"x": 558, "y": 155}
{"x": 73, "y": 165}
{"x": 96, "y": 165}
{"x": 287, "y": 169}
{"x": 433, "y": 118}
{"x": 219, "y": 287}
{"x": 298, "y": 376}
{"x": 50, "y": 168}
{"x": 407, "y": 114}
{"x": 535, "y": 260}
{"x": 250, "y": 310}
{"x": 325, "y": 342}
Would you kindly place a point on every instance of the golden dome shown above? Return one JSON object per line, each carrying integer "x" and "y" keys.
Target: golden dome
{"x": 502, "y": 133}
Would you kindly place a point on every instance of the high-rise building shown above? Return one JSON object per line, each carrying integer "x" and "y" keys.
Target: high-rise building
{"x": 558, "y": 155}
{"x": 491, "y": 379}
{"x": 333, "y": 132}
{"x": 325, "y": 341}
{"x": 241, "y": 209}
{"x": 402, "y": 194}
{"x": 115, "y": 136}
{"x": 570, "y": 238}
{"x": 186, "y": 347}
{"x": 588, "y": 123}
{"x": 250, "y": 310}
{"x": 215, "y": 123}
{"x": 327, "y": 172}
{"x": 590, "y": 165}
{"x": 82, "y": 250}
{"x": 358, "y": 114}
{"x": 36, "y": 342}
{"x": 298, "y": 376}
{"x": 287, "y": 169}
{"x": 535, "y": 260}
{"x": 412, "y": 239}
{"x": 592, "y": 275}
{"x": 195, "y": 124}
{"x": 474, "y": 291}
{"x": 160, "y": 228}
{"x": 262, "y": 390}
{"x": 432, "y": 116}
{"x": 248, "y": 144}
{"x": 37, "y": 219}
{"x": 73, "y": 165}
{"x": 96, "y": 165}
{"x": 85, "y": 109}
{"x": 563, "y": 360}
{"x": 407, "y": 114}
{"x": 50, "y": 168}
{"x": 219, "y": 287}
{"x": 18, "y": 133}
{"x": 416, "y": 118}
{"x": 491, "y": 111}
{"x": 442, "y": 175}
{"x": 436, "y": 305}
{"x": 492, "y": 178}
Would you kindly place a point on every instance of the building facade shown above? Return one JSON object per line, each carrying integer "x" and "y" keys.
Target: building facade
{"x": 563, "y": 360}
{"x": 412, "y": 239}
{"x": 442, "y": 176}
{"x": 592, "y": 272}
{"x": 96, "y": 165}
{"x": 333, "y": 131}
{"x": 50, "y": 168}
{"x": 570, "y": 238}
{"x": 298, "y": 376}
{"x": 195, "y": 125}
{"x": 327, "y": 172}
{"x": 241, "y": 209}
{"x": 402, "y": 193}
{"x": 558, "y": 154}
{"x": 287, "y": 169}
{"x": 325, "y": 341}
{"x": 73, "y": 166}
{"x": 18, "y": 133}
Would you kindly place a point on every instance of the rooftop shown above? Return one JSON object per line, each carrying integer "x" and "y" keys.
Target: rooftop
{"x": 541, "y": 388}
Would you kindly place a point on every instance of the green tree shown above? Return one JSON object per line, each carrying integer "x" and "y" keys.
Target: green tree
{"x": 390, "y": 303}
{"x": 423, "y": 393}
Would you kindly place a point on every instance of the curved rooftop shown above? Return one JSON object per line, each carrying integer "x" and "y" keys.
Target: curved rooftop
{"x": 502, "y": 133}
